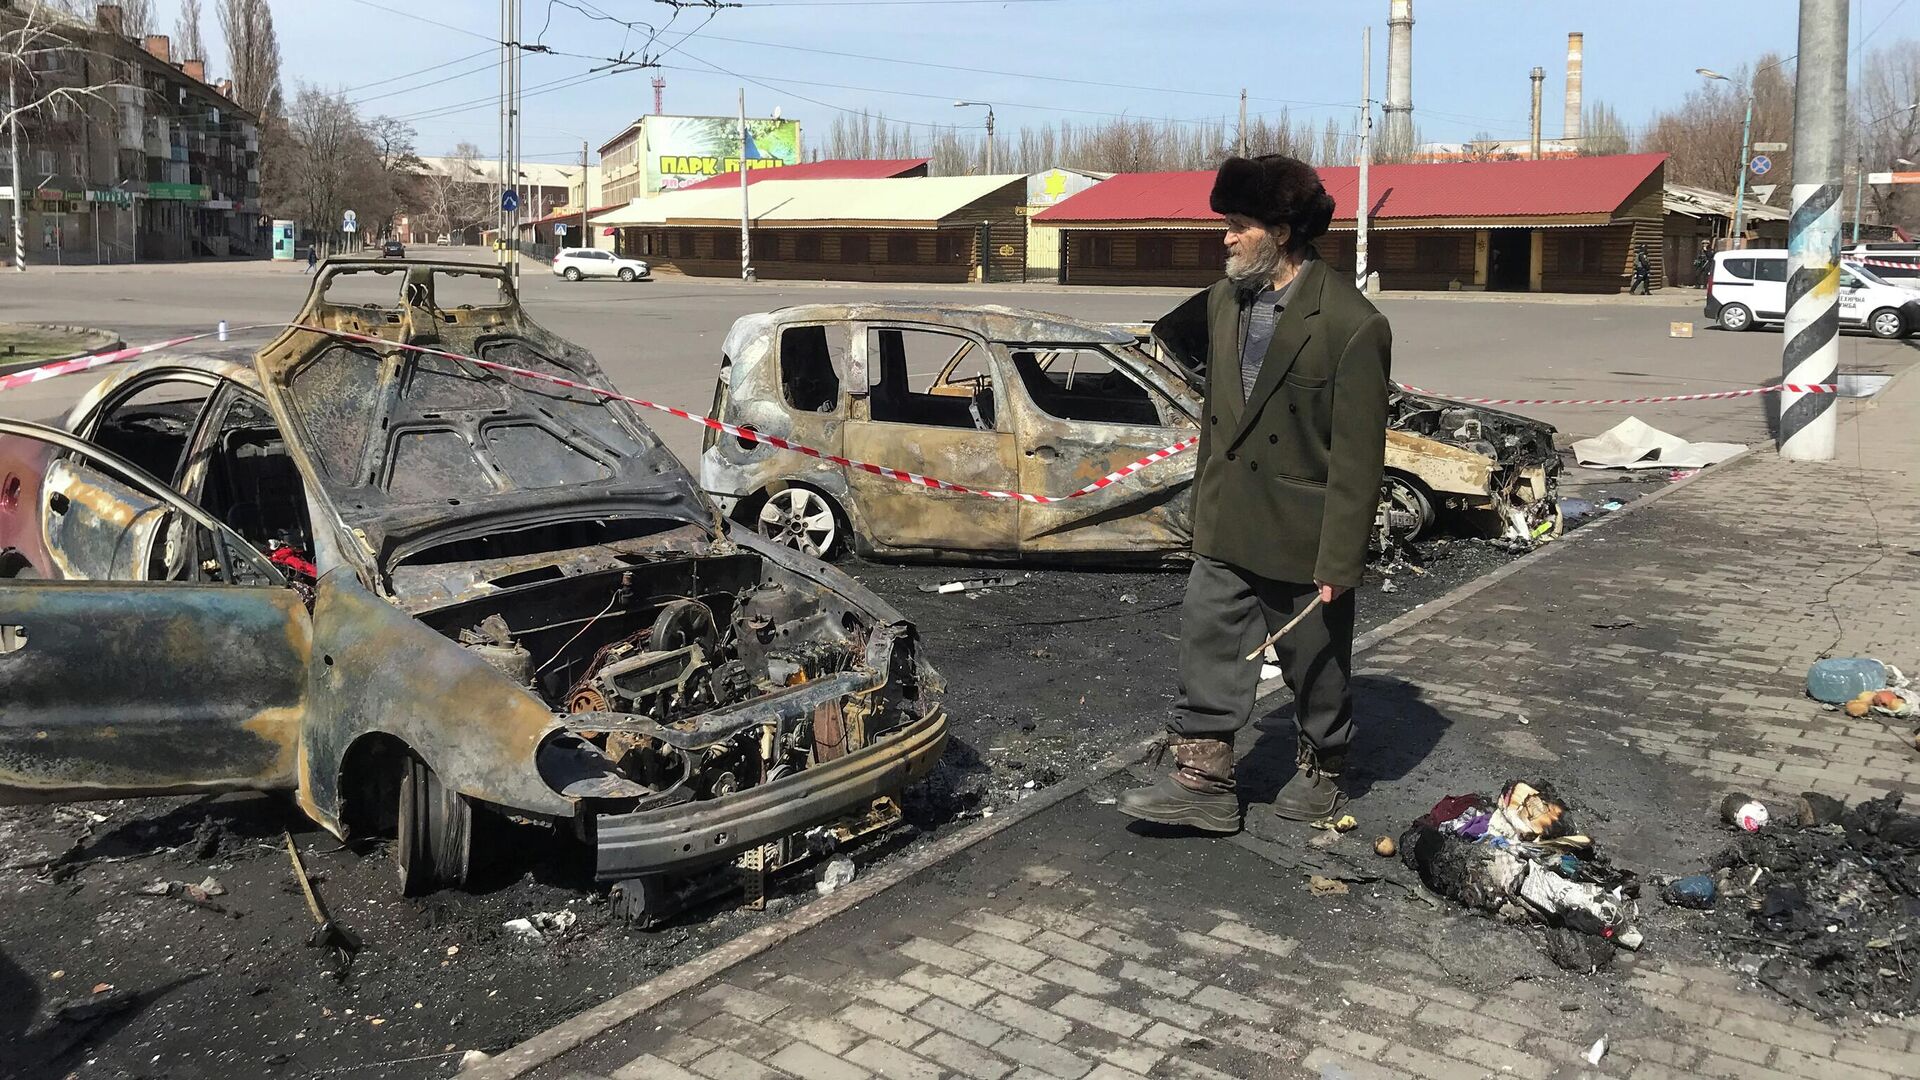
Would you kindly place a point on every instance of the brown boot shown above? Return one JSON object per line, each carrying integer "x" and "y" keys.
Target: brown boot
{"x": 1198, "y": 793}
{"x": 1314, "y": 792}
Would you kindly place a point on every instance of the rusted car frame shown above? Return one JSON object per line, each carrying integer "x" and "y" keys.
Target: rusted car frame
{"x": 1006, "y": 399}
{"x": 483, "y": 594}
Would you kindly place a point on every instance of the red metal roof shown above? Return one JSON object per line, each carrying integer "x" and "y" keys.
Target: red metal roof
{"x": 834, "y": 169}
{"x": 1466, "y": 189}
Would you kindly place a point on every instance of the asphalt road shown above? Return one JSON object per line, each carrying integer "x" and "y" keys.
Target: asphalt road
{"x": 661, "y": 339}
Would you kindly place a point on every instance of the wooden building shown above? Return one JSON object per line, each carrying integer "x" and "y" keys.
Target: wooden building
{"x": 1566, "y": 225}
{"x": 934, "y": 229}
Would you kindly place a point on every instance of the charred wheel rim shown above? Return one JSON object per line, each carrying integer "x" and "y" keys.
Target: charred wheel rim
{"x": 1409, "y": 513}
{"x": 802, "y": 519}
{"x": 1887, "y": 323}
{"x": 1735, "y": 317}
{"x": 435, "y": 831}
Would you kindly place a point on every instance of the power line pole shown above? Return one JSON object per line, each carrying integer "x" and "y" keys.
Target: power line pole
{"x": 586, "y": 238}
{"x": 1808, "y": 422}
{"x": 13, "y": 155}
{"x": 513, "y": 133}
{"x": 500, "y": 172}
{"x": 1243, "y": 121}
{"x": 746, "y": 247}
{"x": 1366, "y": 129}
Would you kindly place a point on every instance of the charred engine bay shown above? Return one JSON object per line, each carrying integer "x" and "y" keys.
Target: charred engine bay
{"x": 1043, "y": 679}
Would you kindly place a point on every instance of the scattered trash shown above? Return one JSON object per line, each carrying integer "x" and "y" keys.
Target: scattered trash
{"x": 1325, "y": 886}
{"x": 1837, "y": 680}
{"x": 1614, "y": 622}
{"x": 1682, "y": 474}
{"x": 200, "y": 895}
{"x": 104, "y": 1001}
{"x": 1387, "y": 586}
{"x": 970, "y": 584}
{"x": 1344, "y": 823}
{"x": 1611, "y": 505}
{"x": 1896, "y": 702}
{"x": 835, "y": 873}
{"x": 1517, "y": 856}
{"x": 1744, "y": 812}
{"x": 1676, "y": 330}
{"x": 474, "y": 1057}
{"x": 1634, "y": 444}
{"x": 1384, "y": 846}
{"x": 206, "y": 838}
{"x": 1693, "y": 891}
{"x": 1832, "y": 897}
{"x": 542, "y": 926}
{"x": 1597, "y": 1051}
{"x": 1573, "y": 510}
{"x": 1129, "y": 598}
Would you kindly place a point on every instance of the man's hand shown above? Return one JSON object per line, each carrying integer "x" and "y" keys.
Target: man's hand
{"x": 1330, "y": 593}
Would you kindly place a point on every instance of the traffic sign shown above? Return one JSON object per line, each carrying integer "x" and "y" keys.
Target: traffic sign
{"x": 509, "y": 200}
{"x": 1769, "y": 147}
{"x": 349, "y": 222}
{"x": 559, "y": 228}
{"x": 1761, "y": 164}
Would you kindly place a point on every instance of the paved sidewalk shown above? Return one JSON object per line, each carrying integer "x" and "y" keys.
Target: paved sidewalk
{"x": 1071, "y": 946}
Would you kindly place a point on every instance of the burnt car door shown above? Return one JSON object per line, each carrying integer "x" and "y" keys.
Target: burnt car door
{"x": 98, "y": 527}
{"x": 902, "y": 423}
{"x": 127, "y": 687}
{"x": 1083, "y": 411}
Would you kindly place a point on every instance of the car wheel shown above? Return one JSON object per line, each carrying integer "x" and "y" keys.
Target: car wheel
{"x": 434, "y": 834}
{"x": 644, "y": 902}
{"x": 802, "y": 519}
{"x": 1887, "y": 323}
{"x": 1407, "y": 509}
{"x": 626, "y": 273}
{"x": 572, "y": 273}
{"x": 1736, "y": 317}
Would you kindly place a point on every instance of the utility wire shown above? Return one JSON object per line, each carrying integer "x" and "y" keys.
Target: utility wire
{"x": 411, "y": 74}
{"x": 486, "y": 65}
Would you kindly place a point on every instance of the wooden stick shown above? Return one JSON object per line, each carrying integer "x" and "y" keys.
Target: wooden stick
{"x": 1280, "y": 633}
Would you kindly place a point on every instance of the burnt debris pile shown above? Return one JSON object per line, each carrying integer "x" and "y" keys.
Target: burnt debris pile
{"x": 1518, "y": 857}
{"x": 1824, "y": 907}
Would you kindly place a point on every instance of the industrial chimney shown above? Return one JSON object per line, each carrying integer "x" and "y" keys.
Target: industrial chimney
{"x": 1539, "y": 76}
{"x": 1571, "y": 131}
{"x": 1398, "y": 135}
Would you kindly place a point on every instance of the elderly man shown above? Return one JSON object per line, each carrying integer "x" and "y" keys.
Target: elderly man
{"x": 1288, "y": 478}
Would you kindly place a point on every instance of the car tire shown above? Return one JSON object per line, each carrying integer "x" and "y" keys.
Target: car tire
{"x": 434, "y": 836}
{"x": 804, "y": 519}
{"x": 1736, "y": 317}
{"x": 1887, "y": 323}
{"x": 571, "y": 273}
{"x": 1409, "y": 507}
{"x": 626, "y": 273}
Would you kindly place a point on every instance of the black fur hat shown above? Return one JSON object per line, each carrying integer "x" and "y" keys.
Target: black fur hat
{"x": 1274, "y": 189}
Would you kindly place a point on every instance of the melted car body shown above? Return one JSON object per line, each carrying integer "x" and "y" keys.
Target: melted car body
{"x": 406, "y": 588}
{"x": 1002, "y": 399}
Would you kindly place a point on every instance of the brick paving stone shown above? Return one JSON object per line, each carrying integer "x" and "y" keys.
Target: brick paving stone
{"x": 883, "y": 1023}
{"x": 1101, "y": 1015}
{"x": 1024, "y": 1017}
{"x": 1178, "y": 1012}
{"x": 888, "y": 1060}
{"x": 1341, "y": 1038}
{"x": 1068, "y": 949}
{"x": 1430, "y": 1065}
{"x": 1116, "y": 942}
{"x": 998, "y": 925}
{"x": 1226, "y": 1001}
{"x": 812, "y": 1063}
{"x": 1001, "y": 951}
{"x": 681, "y": 1049}
{"x": 741, "y": 1002}
{"x": 1017, "y": 983}
{"x": 963, "y": 1056}
{"x": 944, "y": 957}
{"x": 1327, "y": 1062}
{"x": 726, "y": 1029}
{"x": 947, "y": 986}
{"x": 649, "y": 1067}
{"x": 1157, "y": 979}
{"x": 947, "y": 1017}
{"x": 722, "y": 1063}
{"x": 1793, "y": 1061}
{"x": 1471, "y": 1021}
{"x": 1182, "y": 1069}
{"x": 1048, "y": 1057}
{"x": 829, "y": 1035}
{"x": 1242, "y": 934}
{"x": 1503, "y": 1058}
{"x": 1075, "y": 977}
{"x": 1054, "y": 919}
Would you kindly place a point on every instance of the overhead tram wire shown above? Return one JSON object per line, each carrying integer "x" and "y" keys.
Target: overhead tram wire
{"x": 488, "y": 65}
{"x": 411, "y": 74}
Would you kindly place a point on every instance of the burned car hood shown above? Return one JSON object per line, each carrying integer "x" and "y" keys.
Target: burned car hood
{"x": 410, "y": 446}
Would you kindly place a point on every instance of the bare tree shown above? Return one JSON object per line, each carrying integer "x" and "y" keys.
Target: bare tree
{"x": 1701, "y": 136}
{"x": 253, "y": 55}
{"x": 1484, "y": 147}
{"x": 456, "y": 200}
{"x": 1887, "y": 130}
{"x": 136, "y": 18}
{"x": 1602, "y": 131}
{"x": 187, "y": 35}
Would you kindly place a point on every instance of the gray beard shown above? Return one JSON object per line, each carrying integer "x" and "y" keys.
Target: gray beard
{"x": 1257, "y": 267}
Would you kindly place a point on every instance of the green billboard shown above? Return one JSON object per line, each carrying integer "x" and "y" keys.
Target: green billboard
{"x": 683, "y": 150}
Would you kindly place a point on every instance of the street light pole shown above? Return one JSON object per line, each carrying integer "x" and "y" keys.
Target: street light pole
{"x": 746, "y": 240}
{"x": 13, "y": 154}
{"x": 989, "y": 108}
{"x": 1366, "y": 152}
{"x": 1746, "y": 136}
{"x": 1810, "y": 354}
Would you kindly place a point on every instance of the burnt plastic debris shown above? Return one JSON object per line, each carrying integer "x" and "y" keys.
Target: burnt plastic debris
{"x": 1692, "y": 891}
{"x": 1832, "y": 897}
{"x": 1518, "y": 856}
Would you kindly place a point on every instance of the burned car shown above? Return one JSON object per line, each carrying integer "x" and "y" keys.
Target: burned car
{"x": 409, "y": 591}
{"x": 997, "y": 398}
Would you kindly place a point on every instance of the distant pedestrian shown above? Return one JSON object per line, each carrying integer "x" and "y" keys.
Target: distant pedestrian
{"x": 1700, "y": 264}
{"x": 1642, "y": 272}
{"x": 313, "y": 259}
{"x": 1286, "y": 485}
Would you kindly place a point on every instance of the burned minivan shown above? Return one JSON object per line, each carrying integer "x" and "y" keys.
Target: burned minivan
{"x": 1003, "y": 399}
{"x": 409, "y": 590}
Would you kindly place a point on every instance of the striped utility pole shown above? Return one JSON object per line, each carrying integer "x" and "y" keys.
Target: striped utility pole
{"x": 1812, "y": 351}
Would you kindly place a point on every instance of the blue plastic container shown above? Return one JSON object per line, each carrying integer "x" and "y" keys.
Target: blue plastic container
{"x": 1845, "y": 678}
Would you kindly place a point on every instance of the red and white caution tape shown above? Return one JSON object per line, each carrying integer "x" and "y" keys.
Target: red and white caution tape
{"x": 776, "y": 441}
{"x": 1791, "y": 388}
{"x": 1911, "y": 262}
{"x": 93, "y": 360}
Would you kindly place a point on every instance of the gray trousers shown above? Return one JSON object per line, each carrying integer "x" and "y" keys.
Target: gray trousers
{"x": 1226, "y": 614}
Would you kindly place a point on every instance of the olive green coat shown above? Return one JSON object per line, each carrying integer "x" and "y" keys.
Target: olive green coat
{"x": 1288, "y": 479}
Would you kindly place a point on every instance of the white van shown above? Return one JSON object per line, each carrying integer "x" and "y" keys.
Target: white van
{"x": 1746, "y": 287}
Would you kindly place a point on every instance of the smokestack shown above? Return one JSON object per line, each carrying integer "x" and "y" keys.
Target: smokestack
{"x": 1398, "y": 133}
{"x": 1539, "y": 76}
{"x": 1571, "y": 129}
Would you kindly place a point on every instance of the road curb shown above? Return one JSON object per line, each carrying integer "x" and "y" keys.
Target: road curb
{"x": 574, "y": 1032}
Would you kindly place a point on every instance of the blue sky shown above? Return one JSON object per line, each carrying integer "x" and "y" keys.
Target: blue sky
{"x": 1165, "y": 58}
